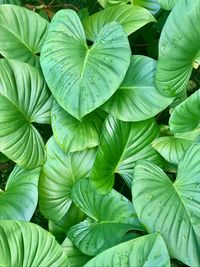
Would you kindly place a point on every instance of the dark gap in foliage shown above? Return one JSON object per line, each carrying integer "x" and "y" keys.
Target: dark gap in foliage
{"x": 39, "y": 219}
{"x": 5, "y": 170}
{"x": 122, "y": 187}
{"x": 45, "y": 130}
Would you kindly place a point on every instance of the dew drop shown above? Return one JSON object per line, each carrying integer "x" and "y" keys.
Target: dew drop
{"x": 149, "y": 196}
{"x": 183, "y": 237}
{"x": 192, "y": 198}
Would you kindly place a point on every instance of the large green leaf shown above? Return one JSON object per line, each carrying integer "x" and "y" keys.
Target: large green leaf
{"x": 172, "y": 208}
{"x": 186, "y": 116}
{"x": 111, "y": 216}
{"x": 22, "y": 33}
{"x": 75, "y": 256}
{"x": 82, "y": 78}
{"x": 179, "y": 48}
{"x": 19, "y": 200}
{"x": 24, "y": 99}
{"x": 137, "y": 97}
{"x": 13, "y": 2}
{"x": 149, "y": 250}
{"x": 74, "y": 135}
{"x": 121, "y": 145}
{"x": 167, "y": 4}
{"x": 26, "y": 245}
{"x": 130, "y": 17}
{"x": 59, "y": 173}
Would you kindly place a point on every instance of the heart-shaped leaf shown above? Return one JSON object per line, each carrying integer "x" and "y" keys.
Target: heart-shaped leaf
{"x": 130, "y": 17}
{"x": 149, "y": 250}
{"x": 74, "y": 135}
{"x": 82, "y": 78}
{"x": 167, "y": 4}
{"x": 26, "y": 245}
{"x": 121, "y": 145}
{"x": 186, "y": 116}
{"x": 59, "y": 173}
{"x": 24, "y": 99}
{"x": 19, "y": 200}
{"x": 22, "y": 33}
{"x": 137, "y": 97}
{"x": 179, "y": 48}
{"x": 172, "y": 208}
{"x": 107, "y": 225}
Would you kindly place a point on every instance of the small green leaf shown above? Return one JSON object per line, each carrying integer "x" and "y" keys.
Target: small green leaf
{"x": 179, "y": 48}
{"x": 186, "y": 116}
{"x": 59, "y": 173}
{"x": 172, "y": 208}
{"x": 149, "y": 250}
{"x": 82, "y": 78}
{"x": 74, "y": 135}
{"x": 22, "y": 33}
{"x": 137, "y": 97}
{"x": 19, "y": 200}
{"x": 121, "y": 145}
{"x": 112, "y": 215}
{"x": 167, "y": 4}
{"x": 26, "y": 245}
{"x": 130, "y": 17}
{"x": 24, "y": 99}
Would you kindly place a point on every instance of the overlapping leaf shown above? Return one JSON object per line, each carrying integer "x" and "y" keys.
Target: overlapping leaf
{"x": 172, "y": 208}
{"x": 149, "y": 250}
{"x": 121, "y": 145}
{"x": 186, "y": 116}
{"x": 82, "y": 78}
{"x": 111, "y": 216}
{"x": 22, "y": 33}
{"x": 59, "y": 173}
{"x": 19, "y": 200}
{"x": 130, "y": 17}
{"x": 137, "y": 97}
{"x": 24, "y": 99}
{"x": 179, "y": 48}
{"x": 74, "y": 135}
{"x": 26, "y": 245}
{"x": 167, "y": 4}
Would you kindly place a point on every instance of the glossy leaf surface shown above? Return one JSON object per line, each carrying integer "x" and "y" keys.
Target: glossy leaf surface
{"x": 82, "y": 78}
{"x": 172, "y": 208}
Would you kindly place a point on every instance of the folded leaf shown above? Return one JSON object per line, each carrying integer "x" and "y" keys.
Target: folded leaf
{"x": 112, "y": 215}
{"x": 172, "y": 208}
{"x": 130, "y": 17}
{"x": 121, "y": 145}
{"x": 149, "y": 250}
{"x": 74, "y": 135}
{"x": 137, "y": 97}
{"x": 19, "y": 200}
{"x": 24, "y": 99}
{"x": 26, "y": 245}
{"x": 179, "y": 48}
{"x": 82, "y": 78}
{"x": 59, "y": 173}
{"x": 22, "y": 33}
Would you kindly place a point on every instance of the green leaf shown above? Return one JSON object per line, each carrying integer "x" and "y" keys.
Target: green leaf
{"x": 13, "y": 2}
{"x": 74, "y": 135}
{"x": 179, "y": 47}
{"x": 107, "y": 3}
{"x": 82, "y": 78}
{"x": 171, "y": 148}
{"x": 19, "y": 200}
{"x": 149, "y": 250}
{"x": 112, "y": 215}
{"x": 24, "y": 99}
{"x": 26, "y": 245}
{"x": 75, "y": 256}
{"x": 172, "y": 208}
{"x": 22, "y": 33}
{"x": 186, "y": 116}
{"x": 167, "y": 4}
{"x": 121, "y": 145}
{"x": 137, "y": 97}
{"x": 59, "y": 173}
{"x": 130, "y": 17}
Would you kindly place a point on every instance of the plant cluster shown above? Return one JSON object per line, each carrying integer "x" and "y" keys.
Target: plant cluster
{"x": 100, "y": 121}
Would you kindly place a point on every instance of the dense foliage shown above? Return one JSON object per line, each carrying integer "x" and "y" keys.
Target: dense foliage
{"x": 100, "y": 133}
